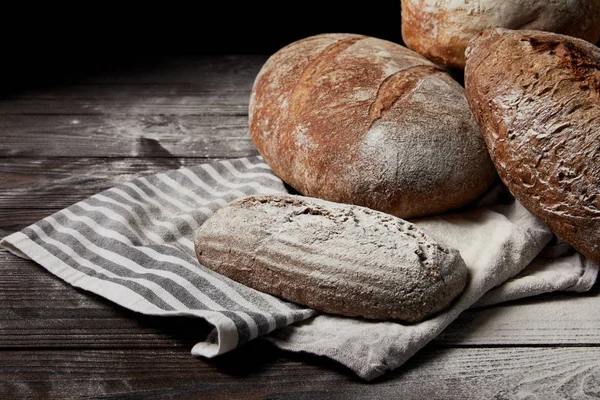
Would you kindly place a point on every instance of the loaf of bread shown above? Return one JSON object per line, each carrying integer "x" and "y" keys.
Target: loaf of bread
{"x": 332, "y": 257}
{"x": 440, "y": 30}
{"x": 359, "y": 120}
{"x": 536, "y": 96}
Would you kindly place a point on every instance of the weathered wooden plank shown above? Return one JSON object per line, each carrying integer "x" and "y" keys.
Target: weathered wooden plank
{"x": 27, "y": 286}
{"x": 95, "y": 329}
{"x": 124, "y": 136}
{"x": 41, "y": 310}
{"x": 143, "y": 99}
{"x": 554, "y": 318}
{"x": 258, "y": 371}
{"x": 198, "y": 85}
{"x": 13, "y": 220}
{"x": 49, "y": 309}
{"x": 55, "y": 183}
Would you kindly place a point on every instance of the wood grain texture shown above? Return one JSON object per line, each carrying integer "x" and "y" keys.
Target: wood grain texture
{"x": 133, "y": 99}
{"x": 259, "y": 371}
{"x": 41, "y": 310}
{"x": 203, "y": 86}
{"x": 125, "y": 136}
{"x": 532, "y": 321}
{"x": 13, "y": 220}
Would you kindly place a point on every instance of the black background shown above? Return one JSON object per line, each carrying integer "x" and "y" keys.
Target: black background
{"x": 48, "y": 44}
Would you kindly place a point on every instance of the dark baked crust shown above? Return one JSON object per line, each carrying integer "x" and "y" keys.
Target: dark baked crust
{"x": 536, "y": 96}
{"x": 441, "y": 30}
{"x": 332, "y": 257}
{"x": 359, "y": 120}
{"x": 419, "y": 30}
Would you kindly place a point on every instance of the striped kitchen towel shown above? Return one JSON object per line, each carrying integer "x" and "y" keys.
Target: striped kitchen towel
{"x": 133, "y": 244}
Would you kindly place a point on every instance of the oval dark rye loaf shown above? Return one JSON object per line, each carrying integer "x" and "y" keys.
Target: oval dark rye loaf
{"x": 536, "y": 96}
{"x": 359, "y": 120}
{"x": 332, "y": 257}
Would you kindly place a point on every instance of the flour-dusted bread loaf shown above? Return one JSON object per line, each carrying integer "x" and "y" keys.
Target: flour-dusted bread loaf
{"x": 440, "y": 30}
{"x": 536, "y": 96}
{"x": 332, "y": 257}
{"x": 359, "y": 120}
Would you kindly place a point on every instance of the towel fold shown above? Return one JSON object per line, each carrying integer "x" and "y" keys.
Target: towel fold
{"x": 496, "y": 242}
{"x": 133, "y": 244}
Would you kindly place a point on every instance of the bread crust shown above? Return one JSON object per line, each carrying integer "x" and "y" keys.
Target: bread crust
{"x": 332, "y": 257}
{"x": 536, "y": 96}
{"x": 364, "y": 121}
{"x": 441, "y": 30}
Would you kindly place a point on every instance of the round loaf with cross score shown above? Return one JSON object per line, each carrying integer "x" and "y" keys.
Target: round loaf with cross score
{"x": 359, "y": 120}
{"x": 441, "y": 29}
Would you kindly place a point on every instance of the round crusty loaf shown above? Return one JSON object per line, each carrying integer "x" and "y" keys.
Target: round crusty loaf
{"x": 536, "y": 96}
{"x": 336, "y": 258}
{"x": 360, "y": 120}
{"x": 441, "y": 30}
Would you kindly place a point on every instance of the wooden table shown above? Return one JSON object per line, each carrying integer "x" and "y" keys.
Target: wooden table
{"x": 63, "y": 142}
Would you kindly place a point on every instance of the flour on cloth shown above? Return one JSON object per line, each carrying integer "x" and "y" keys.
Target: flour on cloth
{"x": 132, "y": 244}
{"x": 496, "y": 241}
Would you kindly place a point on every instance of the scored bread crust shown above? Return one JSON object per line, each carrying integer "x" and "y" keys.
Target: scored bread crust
{"x": 441, "y": 30}
{"x": 536, "y": 96}
{"x": 359, "y": 120}
{"x": 332, "y": 257}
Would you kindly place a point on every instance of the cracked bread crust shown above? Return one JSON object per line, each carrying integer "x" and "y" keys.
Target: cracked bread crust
{"x": 441, "y": 29}
{"x": 359, "y": 120}
{"x": 536, "y": 96}
{"x": 332, "y": 257}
